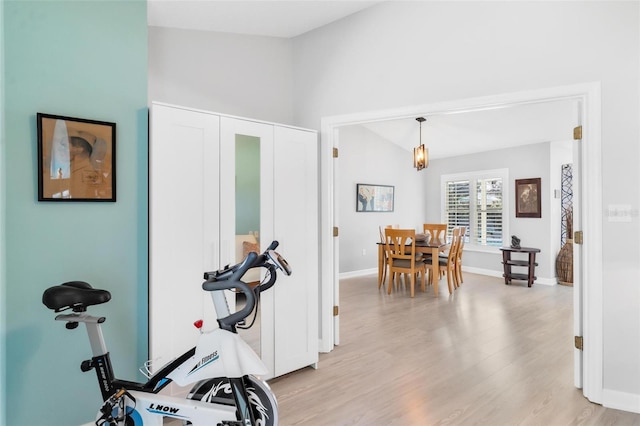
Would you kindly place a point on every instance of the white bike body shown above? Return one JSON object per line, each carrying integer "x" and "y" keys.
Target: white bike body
{"x": 219, "y": 353}
{"x": 151, "y": 409}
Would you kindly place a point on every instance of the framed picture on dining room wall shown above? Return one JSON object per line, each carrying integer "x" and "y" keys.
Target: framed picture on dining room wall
{"x": 528, "y": 198}
{"x": 76, "y": 159}
{"x": 374, "y": 198}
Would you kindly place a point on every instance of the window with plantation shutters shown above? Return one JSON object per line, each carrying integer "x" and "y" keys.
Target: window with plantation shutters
{"x": 457, "y": 204}
{"x": 488, "y": 215}
{"x": 477, "y": 201}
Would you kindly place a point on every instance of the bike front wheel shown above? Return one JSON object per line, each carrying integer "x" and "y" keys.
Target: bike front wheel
{"x": 261, "y": 398}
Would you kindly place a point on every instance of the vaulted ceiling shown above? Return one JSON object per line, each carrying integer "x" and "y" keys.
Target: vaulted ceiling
{"x": 446, "y": 134}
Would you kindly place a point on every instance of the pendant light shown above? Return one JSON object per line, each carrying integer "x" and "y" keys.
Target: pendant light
{"x": 420, "y": 153}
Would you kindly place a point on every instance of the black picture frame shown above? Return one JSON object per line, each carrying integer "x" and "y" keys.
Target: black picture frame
{"x": 528, "y": 198}
{"x": 76, "y": 159}
{"x": 374, "y": 198}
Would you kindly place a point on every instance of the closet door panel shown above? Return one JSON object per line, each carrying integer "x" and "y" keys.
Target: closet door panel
{"x": 296, "y": 227}
{"x": 183, "y": 226}
{"x": 233, "y": 133}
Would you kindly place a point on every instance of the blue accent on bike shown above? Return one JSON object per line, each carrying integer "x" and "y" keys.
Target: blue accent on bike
{"x": 135, "y": 416}
{"x": 215, "y": 358}
{"x": 160, "y": 383}
{"x": 132, "y": 414}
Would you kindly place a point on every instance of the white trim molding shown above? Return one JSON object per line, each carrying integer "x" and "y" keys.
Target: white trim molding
{"x": 621, "y": 400}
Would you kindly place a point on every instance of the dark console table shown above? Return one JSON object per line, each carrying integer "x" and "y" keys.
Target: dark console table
{"x": 529, "y": 263}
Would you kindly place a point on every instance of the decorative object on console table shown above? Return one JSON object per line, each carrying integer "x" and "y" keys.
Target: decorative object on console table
{"x": 76, "y": 159}
{"x": 564, "y": 261}
{"x": 528, "y": 198}
{"x": 515, "y": 242}
{"x": 529, "y": 263}
{"x": 374, "y": 198}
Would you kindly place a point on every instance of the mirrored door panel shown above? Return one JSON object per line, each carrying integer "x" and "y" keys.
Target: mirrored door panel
{"x": 242, "y": 208}
{"x": 247, "y": 205}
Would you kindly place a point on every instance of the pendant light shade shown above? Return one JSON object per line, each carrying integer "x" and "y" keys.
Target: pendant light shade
{"x": 420, "y": 153}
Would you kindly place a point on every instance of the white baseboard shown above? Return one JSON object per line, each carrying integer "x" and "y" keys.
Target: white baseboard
{"x": 360, "y": 273}
{"x": 621, "y": 400}
{"x": 479, "y": 271}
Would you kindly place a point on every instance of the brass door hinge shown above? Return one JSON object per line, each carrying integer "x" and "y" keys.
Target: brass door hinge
{"x": 578, "y": 341}
{"x": 335, "y": 152}
{"x": 578, "y": 237}
{"x": 335, "y": 231}
{"x": 577, "y": 133}
{"x": 335, "y": 311}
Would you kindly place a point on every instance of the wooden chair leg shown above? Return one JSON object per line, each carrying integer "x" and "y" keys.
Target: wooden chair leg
{"x": 413, "y": 282}
{"x": 449, "y": 276}
{"x": 383, "y": 276}
{"x": 459, "y": 269}
{"x": 454, "y": 276}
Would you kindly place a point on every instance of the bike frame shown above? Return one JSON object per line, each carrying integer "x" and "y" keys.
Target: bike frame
{"x": 144, "y": 405}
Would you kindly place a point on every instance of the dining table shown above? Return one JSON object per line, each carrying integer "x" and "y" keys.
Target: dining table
{"x": 433, "y": 246}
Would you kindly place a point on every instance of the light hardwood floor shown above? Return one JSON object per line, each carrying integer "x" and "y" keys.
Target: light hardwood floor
{"x": 489, "y": 354}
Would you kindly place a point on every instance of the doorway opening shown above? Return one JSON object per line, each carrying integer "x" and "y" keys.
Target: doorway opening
{"x": 587, "y": 289}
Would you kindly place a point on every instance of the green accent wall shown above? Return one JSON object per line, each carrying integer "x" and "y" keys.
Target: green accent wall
{"x": 3, "y": 269}
{"x": 85, "y": 59}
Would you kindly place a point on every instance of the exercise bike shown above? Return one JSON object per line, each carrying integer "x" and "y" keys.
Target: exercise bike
{"x": 221, "y": 368}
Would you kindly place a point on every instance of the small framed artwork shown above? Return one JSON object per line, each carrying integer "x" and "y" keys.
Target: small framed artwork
{"x": 374, "y": 198}
{"x": 76, "y": 159}
{"x": 528, "y": 198}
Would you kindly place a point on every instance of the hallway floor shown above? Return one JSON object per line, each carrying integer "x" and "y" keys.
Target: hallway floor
{"x": 489, "y": 354}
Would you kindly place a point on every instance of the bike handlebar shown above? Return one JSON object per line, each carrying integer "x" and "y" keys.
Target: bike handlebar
{"x": 230, "y": 278}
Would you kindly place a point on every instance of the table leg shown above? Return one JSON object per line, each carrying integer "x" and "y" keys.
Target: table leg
{"x": 532, "y": 266}
{"x": 506, "y": 256}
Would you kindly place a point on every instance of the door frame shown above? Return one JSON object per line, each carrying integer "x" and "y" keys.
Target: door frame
{"x": 589, "y": 97}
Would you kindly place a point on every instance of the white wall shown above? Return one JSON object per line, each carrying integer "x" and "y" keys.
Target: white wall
{"x": 529, "y": 161}
{"x": 414, "y": 53}
{"x": 232, "y": 74}
{"x": 367, "y": 158}
{"x": 397, "y": 54}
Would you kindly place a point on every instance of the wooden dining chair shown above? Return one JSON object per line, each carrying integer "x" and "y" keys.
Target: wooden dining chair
{"x": 463, "y": 233}
{"x": 402, "y": 258}
{"x": 448, "y": 264}
{"x": 435, "y": 230}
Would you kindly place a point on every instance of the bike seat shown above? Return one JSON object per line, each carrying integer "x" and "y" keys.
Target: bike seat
{"x": 76, "y": 295}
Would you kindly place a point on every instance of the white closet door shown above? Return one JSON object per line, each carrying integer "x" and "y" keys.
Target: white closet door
{"x": 296, "y": 228}
{"x": 183, "y": 226}
{"x": 231, "y": 130}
